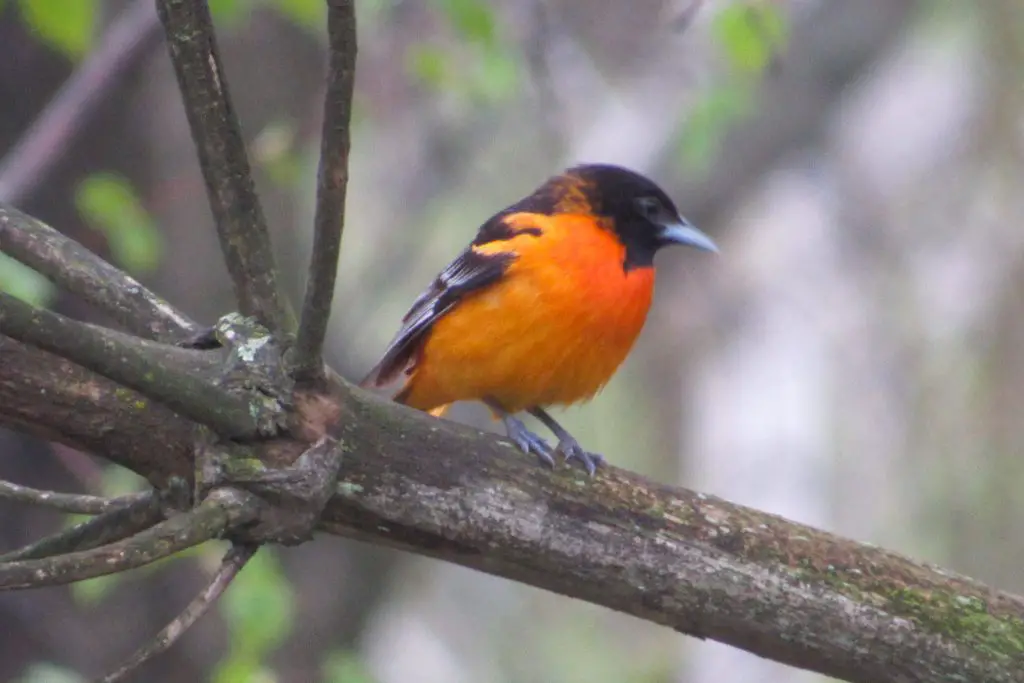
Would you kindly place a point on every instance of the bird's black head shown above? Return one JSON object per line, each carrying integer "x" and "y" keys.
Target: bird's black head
{"x": 643, "y": 217}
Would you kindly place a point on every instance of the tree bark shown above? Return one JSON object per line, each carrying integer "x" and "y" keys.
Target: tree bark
{"x": 696, "y": 563}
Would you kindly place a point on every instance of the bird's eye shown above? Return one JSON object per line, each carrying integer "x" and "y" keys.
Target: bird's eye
{"x": 649, "y": 207}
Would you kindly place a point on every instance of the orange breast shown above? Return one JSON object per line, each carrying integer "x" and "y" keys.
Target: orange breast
{"x": 552, "y": 331}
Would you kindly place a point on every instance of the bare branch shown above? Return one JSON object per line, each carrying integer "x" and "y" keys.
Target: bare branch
{"x": 220, "y": 512}
{"x": 57, "y": 400}
{"x": 82, "y": 504}
{"x": 234, "y": 560}
{"x": 241, "y": 225}
{"x": 696, "y": 563}
{"x": 79, "y": 271}
{"x": 100, "y": 530}
{"x": 147, "y": 367}
{"x": 332, "y": 182}
{"x": 134, "y": 31}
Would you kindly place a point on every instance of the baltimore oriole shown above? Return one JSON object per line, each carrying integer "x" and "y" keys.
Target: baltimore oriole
{"x": 542, "y": 307}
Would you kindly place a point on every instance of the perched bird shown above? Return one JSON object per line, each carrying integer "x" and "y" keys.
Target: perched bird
{"x": 542, "y": 307}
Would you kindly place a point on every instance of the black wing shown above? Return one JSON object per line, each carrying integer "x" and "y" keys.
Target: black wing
{"x": 470, "y": 271}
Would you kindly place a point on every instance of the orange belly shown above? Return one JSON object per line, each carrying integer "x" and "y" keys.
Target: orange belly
{"x": 552, "y": 331}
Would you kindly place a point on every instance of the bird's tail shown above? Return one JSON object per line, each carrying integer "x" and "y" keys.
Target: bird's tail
{"x": 404, "y": 394}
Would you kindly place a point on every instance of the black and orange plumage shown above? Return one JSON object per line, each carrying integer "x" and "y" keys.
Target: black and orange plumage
{"x": 543, "y": 306}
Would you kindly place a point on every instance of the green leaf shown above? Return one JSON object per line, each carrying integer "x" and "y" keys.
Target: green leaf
{"x": 708, "y": 122}
{"x": 44, "y": 672}
{"x": 235, "y": 669}
{"x": 92, "y": 591}
{"x": 751, "y": 33}
{"x": 259, "y": 608}
{"x": 345, "y": 666}
{"x": 23, "y": 283}
{"x": 274, "y": 151}
{"x": 497, "y": 76}
{"x": 229, "y": 12}
{"x": 429, "y": 64}
{"x": 117, "y": 481}
{"x": 109, "y": 204}
{"x": 309, "y": 14}
{"x": 65, "y": 25}
{"x": 473, "y": 19}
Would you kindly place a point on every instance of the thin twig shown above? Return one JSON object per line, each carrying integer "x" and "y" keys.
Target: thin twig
{"x": 102, "y": 529}
{"x": 220, "y": 512}
{"x": 234, "y": 560}
{"x": 332, "y": 182}
{"x": 82, "y": 504}
{"x": 145, "y": 366}
{"x": 134, "y": 31}
{"x": 241, "y": 225}
{"x": 81, "y": 272}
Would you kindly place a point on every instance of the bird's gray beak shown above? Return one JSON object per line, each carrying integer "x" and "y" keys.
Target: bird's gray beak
{"x": 681, "y": 232}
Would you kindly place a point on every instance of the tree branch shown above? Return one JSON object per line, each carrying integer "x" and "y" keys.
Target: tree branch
{"x": 105, "y": 528}
{"x": 148, "y": 367}
{"x": 234, "y": 560}
{"x": 127, "y": 38}
{"x": 241, "y": 225}
{"x": 222, "y": 510}
{"x": 332, "y": 182}
{"x": 76, "y": 269}
{"x": 82, "y": 504}
{"x": 57, "y": 400}
{"x": 696, "y": 563}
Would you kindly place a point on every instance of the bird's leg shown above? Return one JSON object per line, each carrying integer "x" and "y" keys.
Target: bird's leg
{"x": 568, "y": 446}
{"x": 521, "y": 436}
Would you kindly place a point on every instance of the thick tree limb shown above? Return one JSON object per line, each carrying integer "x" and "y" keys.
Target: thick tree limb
{"x": 332, "y": 181}
{"x": 699, "y": 564}
{"x": 148, "y": 367}
{"x": 76, "y": 269}
{"x": 221, "y": 511}
{"x": 82, "y": 504}
{"x": 57, "y": 400}
{"x": 696, "y": 563}
{"x": 241, "y": 225}
{"x": 105, "y": 528}
{"x": 134, "y": 31}
{"x": 234, "y": 560}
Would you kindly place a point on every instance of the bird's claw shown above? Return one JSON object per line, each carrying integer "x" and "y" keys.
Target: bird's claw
{"x": 571, "y": 450}
{"x": 529, "y": 442}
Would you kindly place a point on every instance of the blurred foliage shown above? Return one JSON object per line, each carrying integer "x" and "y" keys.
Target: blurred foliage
{"x": 68, "y": 26}
{"x": 277, "y": 152}
{"x": 751, "y": 34}
{"x": 109, "y": 204}
{"x": 480, "y": 68}
{"x": 346, "y": 667}
{"x": 24, "y": 283}
{"x": 308, "y": 14}
{"x": 259, "y": 610}
{"x": 49, "y": 673}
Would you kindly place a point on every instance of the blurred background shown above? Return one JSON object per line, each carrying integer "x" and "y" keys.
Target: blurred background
{"x": 854, "y": 359}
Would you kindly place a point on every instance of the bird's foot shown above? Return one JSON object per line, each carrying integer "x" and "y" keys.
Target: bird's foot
{"x": 529, "y": 442}
{"x": 571, "y": 450}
